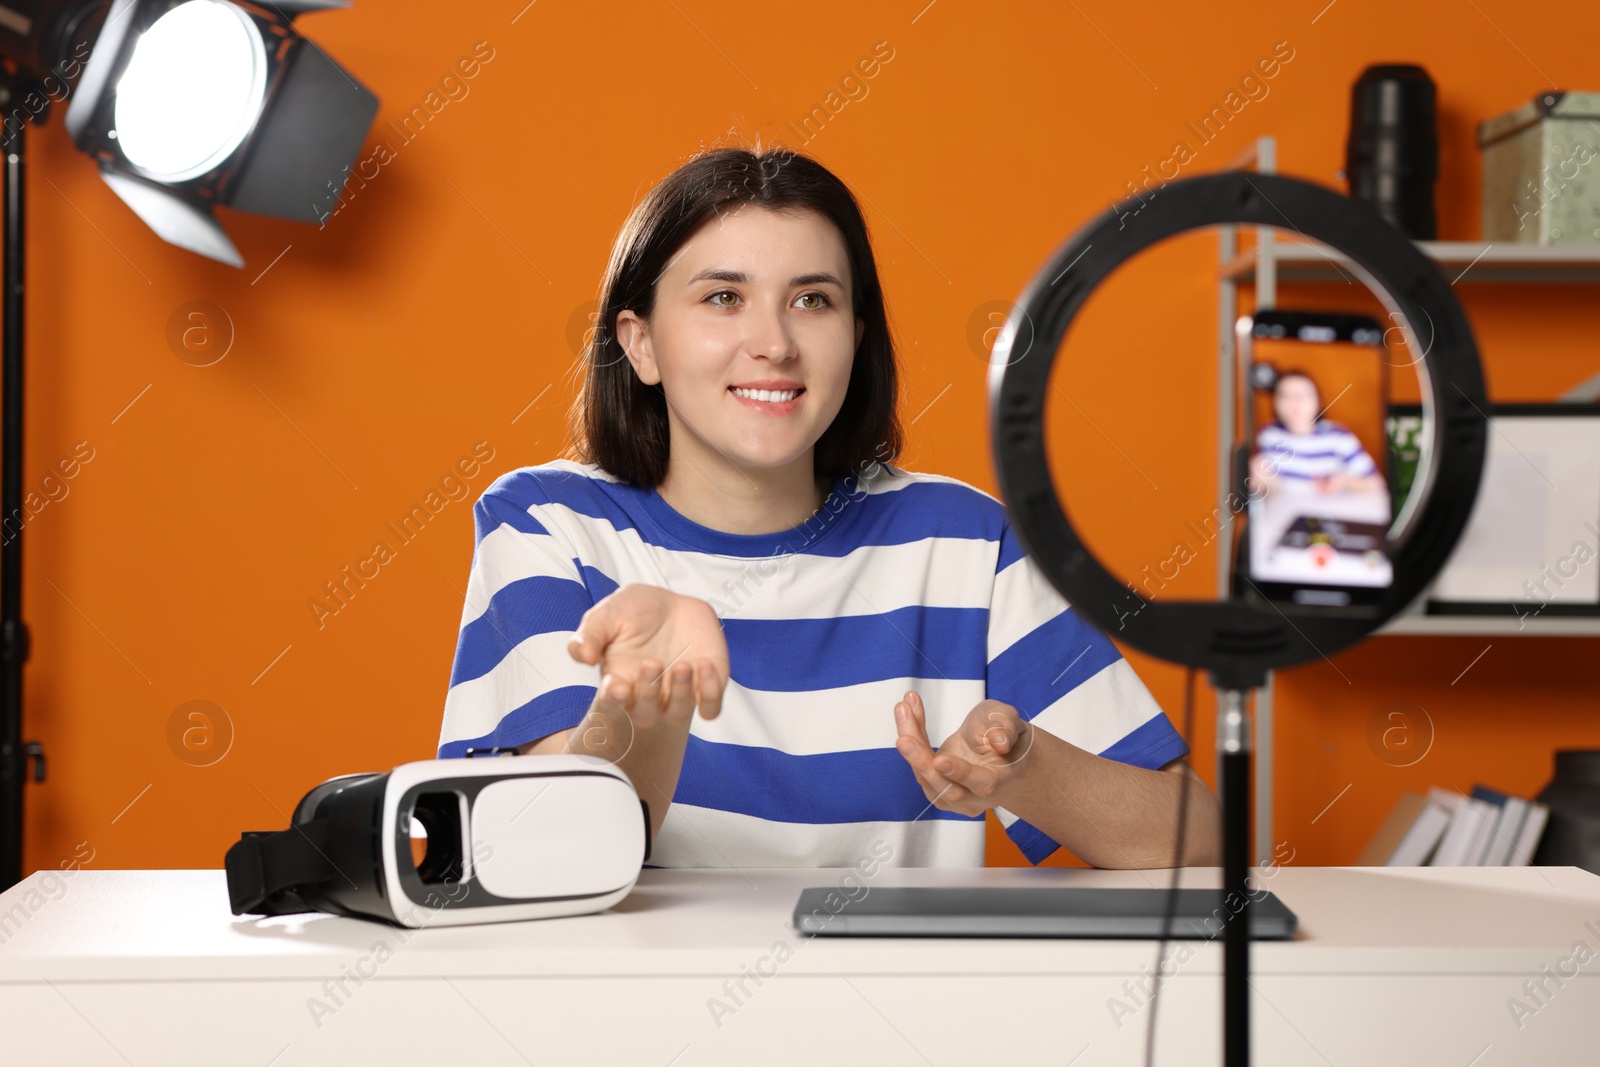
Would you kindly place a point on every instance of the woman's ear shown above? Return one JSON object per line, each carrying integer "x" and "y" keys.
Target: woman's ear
{"x": 634, "y": 337}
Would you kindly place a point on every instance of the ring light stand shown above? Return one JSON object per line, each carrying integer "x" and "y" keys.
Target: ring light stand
{"x": 1239, "y": 639}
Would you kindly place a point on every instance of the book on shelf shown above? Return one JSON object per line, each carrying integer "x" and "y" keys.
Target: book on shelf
{"x": 1444, "y": 828}
{"x": 1509, "y": 814}
{"x": 1408, "y": 835}
{"x": 1528, "y": 839}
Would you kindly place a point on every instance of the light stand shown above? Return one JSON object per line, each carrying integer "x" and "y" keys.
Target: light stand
{"x": 14, "y": 753}
{"x": 1239, "y": 639}
{"x": 1233, "y": 749}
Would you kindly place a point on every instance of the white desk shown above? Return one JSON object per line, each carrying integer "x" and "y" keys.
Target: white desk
{"x": 1392, "y": 966}
{"x": 1276, "y": 513}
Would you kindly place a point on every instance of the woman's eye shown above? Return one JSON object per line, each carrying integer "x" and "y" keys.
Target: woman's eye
{"x": 722, "y": 292}
{"x": 821, "y": 298}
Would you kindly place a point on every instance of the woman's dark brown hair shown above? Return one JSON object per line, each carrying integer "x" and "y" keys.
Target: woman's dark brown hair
{"x": 620, "y": 423}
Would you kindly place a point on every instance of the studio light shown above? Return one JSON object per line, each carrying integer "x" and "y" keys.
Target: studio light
{"x": 190, "y": 104}
{"x": 165, "y": 128}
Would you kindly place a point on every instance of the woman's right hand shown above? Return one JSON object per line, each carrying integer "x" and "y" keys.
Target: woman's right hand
{"x": 660, "y": 654}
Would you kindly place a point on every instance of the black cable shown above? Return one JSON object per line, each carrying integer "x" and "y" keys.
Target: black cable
{"x": 1177, "y": 859}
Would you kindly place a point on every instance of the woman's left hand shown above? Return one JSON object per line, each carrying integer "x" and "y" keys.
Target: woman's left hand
{"x": 975, "y": 766}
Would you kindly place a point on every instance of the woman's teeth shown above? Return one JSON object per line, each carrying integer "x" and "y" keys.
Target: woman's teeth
{"x": 767, "y": 395}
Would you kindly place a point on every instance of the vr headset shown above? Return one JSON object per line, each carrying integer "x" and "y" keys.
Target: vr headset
{"x": 512, "y": 837}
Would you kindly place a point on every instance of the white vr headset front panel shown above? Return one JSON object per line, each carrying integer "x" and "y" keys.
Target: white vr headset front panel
{"x": 521, "y": 839}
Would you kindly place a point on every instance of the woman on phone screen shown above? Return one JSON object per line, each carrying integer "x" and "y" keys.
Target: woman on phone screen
{"x": 1299, "y": 451}
{"x": 874, "y": 660}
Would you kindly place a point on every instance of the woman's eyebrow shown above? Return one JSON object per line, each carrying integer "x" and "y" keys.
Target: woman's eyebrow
{"x": 739, "y": 277}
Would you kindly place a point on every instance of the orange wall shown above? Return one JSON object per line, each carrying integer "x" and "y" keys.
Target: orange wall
{"x": 439, "y": 304}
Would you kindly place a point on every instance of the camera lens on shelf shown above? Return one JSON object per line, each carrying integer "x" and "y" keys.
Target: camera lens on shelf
{"x": 1392, "y": 154}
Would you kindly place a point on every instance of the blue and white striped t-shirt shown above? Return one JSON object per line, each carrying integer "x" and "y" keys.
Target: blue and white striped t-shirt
{"x": 1330, "y": 448}
{"x": 900, "y": 581}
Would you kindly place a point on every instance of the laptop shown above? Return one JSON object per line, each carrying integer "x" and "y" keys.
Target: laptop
{"x": 1027, "y": 911}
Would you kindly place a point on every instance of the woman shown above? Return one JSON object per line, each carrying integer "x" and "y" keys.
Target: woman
{"x": 1302, "y": 452}
{"x": 898, "y": 665}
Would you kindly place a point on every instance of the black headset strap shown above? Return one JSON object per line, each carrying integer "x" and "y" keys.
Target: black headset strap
{"x": 269, "y": 869}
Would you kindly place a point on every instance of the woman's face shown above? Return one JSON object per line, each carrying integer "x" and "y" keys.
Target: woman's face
{"x": 1295, "y": 402}
{"x": 756, "y": 298}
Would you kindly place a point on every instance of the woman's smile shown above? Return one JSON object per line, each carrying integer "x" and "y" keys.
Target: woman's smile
{"x": 768, "y": 401}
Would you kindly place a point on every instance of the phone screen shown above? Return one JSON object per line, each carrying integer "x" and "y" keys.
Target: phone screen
{"x": 1319, "y": 506}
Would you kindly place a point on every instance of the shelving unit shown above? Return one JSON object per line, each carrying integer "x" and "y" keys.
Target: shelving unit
{"x": 1490, "y": 626}
{"x": 1461, "y": 261}
{"x": 1276, "y": 258}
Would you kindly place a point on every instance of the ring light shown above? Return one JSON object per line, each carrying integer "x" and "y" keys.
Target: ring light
{"x": 1238, "y": 640}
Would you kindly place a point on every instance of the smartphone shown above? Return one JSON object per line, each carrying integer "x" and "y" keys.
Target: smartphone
{"x": 1316, "y": 460}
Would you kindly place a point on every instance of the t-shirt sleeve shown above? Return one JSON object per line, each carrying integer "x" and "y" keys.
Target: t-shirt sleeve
{"x": 1270, "y": 441}
{"x": 513, "y": 680}
{"x": 1357, "y": 461}
{"x": 1065, "y": 677}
